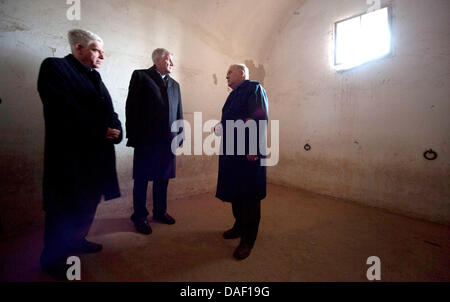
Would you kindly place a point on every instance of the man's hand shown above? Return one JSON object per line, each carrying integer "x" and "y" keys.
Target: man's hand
{"x": 252, "y": 157}
{"x": 112, "y": 133}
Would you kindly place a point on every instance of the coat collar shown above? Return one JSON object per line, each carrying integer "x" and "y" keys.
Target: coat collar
{"x": 242, "y": 84}
{"x": 232, "y": 94}
{"x": 80, "y": 66}
{"x": 88, "y": 72}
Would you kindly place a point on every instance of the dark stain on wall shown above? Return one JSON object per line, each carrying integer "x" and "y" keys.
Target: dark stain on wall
{"x": 53, "y": 51}
{"x": 257, "y": 73}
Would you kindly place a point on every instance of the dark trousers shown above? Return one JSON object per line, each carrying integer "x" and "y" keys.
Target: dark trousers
{"x": 140, "y": 198}
{"x": 65, "y": 228}
{"x": 247, "y": 214}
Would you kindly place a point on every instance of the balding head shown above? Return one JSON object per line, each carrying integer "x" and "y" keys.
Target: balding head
{"x": 243, "y": 68}
{"x": 237, "y": 73}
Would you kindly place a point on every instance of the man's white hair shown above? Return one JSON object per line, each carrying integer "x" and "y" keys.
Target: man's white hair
{"x": 159, "y": 53}
{"x": 83, "y": 37}
{"x": 244, "y": 69}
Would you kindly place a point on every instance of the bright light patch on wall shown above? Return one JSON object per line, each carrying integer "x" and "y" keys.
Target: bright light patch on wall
{"x": 362, "y": 39}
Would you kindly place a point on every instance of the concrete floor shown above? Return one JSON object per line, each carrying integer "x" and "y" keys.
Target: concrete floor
{"x": 303, "y": 237}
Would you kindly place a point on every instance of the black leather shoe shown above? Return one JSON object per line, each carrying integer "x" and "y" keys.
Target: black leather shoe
{"x": 242, "y": 251}
{"x": 166, "y": 218}
{"x": 143, "y": 227}
{"x": 88, "y": 247}
{"x": 231, "y": 234}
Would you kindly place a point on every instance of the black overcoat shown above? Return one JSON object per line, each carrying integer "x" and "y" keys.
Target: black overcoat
{"x": 240, "y": 179}
{"x": 151, "y": 108}
{"x": 78, "y": 160}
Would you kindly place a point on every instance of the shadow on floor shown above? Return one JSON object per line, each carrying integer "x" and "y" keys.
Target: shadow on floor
{"x": 162, "y": 256}
{"x": 104, "y": 226}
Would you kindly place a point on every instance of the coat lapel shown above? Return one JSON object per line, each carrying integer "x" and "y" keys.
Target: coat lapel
{"x": 156, "y": 77}
{"x": 162, "y": 91}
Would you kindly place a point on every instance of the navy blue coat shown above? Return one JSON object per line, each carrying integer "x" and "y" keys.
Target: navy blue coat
{"x": 151, "y": 108}
{"x": 240, "y": 179}
{"x": 79, "y": 161}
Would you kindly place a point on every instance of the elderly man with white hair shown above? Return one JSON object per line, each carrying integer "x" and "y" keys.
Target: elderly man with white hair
{"x": 242, "y": 177}
{"x": 153, "y": 104}
{"x": 81, "y": 129}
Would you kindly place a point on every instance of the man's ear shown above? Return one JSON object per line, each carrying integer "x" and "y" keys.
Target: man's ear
{"x": 78, "y": 47}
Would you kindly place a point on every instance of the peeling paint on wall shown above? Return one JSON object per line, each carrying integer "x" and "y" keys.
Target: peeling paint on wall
{"x": 53, "y": 51}
{"x": 9, "y": 23}
{"x": 12, "y": 26}
{"x": 188, "y": 72}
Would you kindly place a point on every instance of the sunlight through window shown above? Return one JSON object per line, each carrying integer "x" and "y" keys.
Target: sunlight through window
{"x": 362, "y": 39}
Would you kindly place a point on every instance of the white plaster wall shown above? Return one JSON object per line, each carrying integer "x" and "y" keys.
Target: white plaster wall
{"x": 368, "y": 127}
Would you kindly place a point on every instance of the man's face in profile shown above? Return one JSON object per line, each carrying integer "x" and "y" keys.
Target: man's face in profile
{"x": 234, "y": 77}
{"x": 165, "y": 64}
{"x": 92, "y": 55}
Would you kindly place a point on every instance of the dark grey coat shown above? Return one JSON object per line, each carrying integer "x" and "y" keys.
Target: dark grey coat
{"x": 79, "y": 161}
{"x": 151, "y": 108}
{"x": 240, "y": 179}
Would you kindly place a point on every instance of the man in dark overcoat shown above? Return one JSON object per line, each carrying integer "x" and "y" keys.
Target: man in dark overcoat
{"x": 242, "y": 176}
{"x": 81, "y": 129}
{"x": 153, "y": 104}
